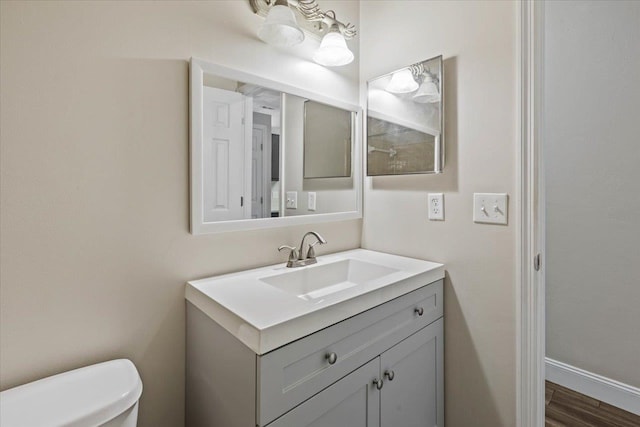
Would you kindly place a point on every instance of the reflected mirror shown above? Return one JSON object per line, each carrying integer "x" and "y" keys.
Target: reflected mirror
{"x": 262, "y": 152}
{"x": 328, "y": 132}
{"x": 405, "y": 120}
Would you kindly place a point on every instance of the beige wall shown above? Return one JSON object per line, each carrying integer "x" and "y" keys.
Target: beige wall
{"x": 95, "y": 248}
{"x": 593, "y": 186}
{"x": 478, "y": 41}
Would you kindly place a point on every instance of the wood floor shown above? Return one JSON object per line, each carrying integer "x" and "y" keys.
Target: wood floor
{"x": 568, "y": 408}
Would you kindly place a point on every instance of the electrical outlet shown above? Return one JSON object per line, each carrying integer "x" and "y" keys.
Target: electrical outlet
{"x": 292, "y": 200}
{"x": 490, "y": 208}
{"x": 436, "y": 206}
{"x": 311, "y": 201}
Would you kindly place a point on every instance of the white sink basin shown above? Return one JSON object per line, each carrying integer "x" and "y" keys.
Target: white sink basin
{"x": 320, "y": 280}
{"x": 271, "y": 306}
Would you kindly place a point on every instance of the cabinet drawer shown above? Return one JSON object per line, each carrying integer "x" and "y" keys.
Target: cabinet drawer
{"x": 293, "y": 373}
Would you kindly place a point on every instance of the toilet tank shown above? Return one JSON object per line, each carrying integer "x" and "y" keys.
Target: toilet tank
{"x": 89, "y": 396}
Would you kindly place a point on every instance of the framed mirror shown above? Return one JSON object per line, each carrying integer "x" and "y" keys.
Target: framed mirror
{"x": 405, "y": 120}
{"x": 259, "y": 157}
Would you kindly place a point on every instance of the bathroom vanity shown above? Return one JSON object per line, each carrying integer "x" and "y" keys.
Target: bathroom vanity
{"x": 354, "y": 340}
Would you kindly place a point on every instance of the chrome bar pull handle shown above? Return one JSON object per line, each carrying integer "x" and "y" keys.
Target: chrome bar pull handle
{"x": 331, "y": 358}
{"x": 390, "y": 375}
{"x": 419, "y": 311}
{"x": 378, "y": 383}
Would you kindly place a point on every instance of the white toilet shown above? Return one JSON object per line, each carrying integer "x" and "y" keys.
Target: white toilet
{"x": 105, "y": 395}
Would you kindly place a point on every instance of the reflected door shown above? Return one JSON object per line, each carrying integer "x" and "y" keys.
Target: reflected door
{"x": 224, "y": 150}
{"x": 258, "y": 181}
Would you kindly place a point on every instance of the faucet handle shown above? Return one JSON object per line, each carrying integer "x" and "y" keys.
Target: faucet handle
{"x": 293, "y": 255}
{"x": 311, "y": 253}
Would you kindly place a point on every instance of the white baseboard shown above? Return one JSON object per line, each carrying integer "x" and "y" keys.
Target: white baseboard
{"x": 602, "y": 388}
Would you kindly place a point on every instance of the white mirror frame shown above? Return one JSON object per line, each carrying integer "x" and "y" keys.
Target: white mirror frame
{"x": 198, "y": 226}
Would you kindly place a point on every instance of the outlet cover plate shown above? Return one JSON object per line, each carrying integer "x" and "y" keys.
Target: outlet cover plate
{"x": 311, "y": 200}
{"x": 490, "y": 208}
{"x": 436, "y": 206}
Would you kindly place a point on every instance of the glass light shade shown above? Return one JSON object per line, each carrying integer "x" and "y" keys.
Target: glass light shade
{"x": 402, "y": 82}
{"x": 333, "y": 50}
{"x": 428, "y": 92}
{"x": 280, "y": 27}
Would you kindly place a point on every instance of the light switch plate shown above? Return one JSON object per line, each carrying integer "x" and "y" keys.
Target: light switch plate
{"x": 311, "y": 201}
{"x": 436, "y": 206}
{"x": 490, "y": 208}
{"x": 292, "y": 200}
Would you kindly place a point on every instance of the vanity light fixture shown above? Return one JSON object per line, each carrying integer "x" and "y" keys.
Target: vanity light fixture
{"x": 428, "y": 92}
{"x": 402, "y": 81}
{"x": 333, "y": 51}
{"x": 281, "y": 28}
{"x": 412, "y": 78}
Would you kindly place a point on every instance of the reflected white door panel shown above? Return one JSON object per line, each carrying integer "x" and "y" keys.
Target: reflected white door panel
{"x": 224, "y": 156}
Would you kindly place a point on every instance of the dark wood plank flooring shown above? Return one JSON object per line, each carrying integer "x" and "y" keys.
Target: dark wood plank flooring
{"x": 568, "y": 408}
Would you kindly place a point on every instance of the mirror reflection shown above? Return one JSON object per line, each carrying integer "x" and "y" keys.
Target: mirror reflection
{"x": 328, "y": 135}
{"x": 405, "y": 120}
{"x": 328, "y": 155}
{"x": 263, "y": 153}
{"x": 241, "y": 146}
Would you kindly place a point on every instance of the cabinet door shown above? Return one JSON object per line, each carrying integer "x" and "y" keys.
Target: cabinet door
{"x": 351, "y": 402}
{"x": 412, "y": 394}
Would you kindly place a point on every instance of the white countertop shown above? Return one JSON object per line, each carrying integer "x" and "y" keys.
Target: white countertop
{"x": 264, "y": 317}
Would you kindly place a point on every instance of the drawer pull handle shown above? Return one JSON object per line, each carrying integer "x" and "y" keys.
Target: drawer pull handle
{"x": 378, "y": 383}
{"x": 331, "y": 358}
{"x": 419, "y": 311}
{"x": 390, "y": 375}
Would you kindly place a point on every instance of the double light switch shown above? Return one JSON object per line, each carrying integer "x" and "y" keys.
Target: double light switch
{"x": 490, "y": 208}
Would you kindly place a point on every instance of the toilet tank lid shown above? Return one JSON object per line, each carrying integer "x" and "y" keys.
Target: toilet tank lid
{"x": 87, "y": 396}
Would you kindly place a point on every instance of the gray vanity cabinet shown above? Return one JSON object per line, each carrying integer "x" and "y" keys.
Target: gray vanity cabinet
{"x": 327, "y": 378}
{"x": 351, "y": 402}
{"x": 411, "y": 395}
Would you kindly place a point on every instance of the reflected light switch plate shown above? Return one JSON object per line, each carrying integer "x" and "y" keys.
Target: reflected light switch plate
{"x": 292, "y": 200}
{"x": 311, "y": 202}
{"x": 490, "y": 208}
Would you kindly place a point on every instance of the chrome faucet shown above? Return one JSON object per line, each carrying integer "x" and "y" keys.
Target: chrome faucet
{"x": 300, "y": 258}
{"x": 311, "y": 254}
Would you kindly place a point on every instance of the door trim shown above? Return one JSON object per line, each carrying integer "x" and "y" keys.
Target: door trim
{"x": 530, "y": 291}
{"x": 265, "y": 161}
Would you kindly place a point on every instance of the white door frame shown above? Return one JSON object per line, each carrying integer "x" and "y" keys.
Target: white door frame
{"x": 530, "y": 308}
{"x": 265, "y": 162}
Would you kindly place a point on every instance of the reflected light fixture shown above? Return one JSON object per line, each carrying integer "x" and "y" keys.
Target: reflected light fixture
{"x": 428, "y": 92}
{"x": 281, "y": 28}
{"x": 333, "y": 51}
{"x": 402, "y": 81}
